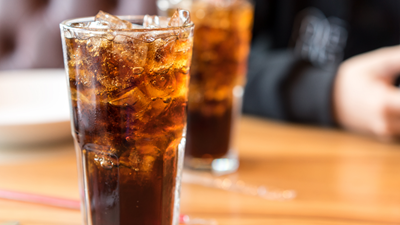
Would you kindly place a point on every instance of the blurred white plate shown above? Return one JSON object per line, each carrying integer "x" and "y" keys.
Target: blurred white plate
{"x": 34, "y": 107}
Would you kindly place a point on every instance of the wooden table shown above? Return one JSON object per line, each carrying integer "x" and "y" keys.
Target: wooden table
{"x": 340, "y": 178}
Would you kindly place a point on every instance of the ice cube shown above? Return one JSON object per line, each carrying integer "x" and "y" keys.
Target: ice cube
{"x": 140, "y": 159}
{"x": 153, "y": 110}
{"x": 121, "y": 68}
{"x": 135, "y": 103}
{"x": 161, "y": 55}
{"x": 174, "y": 117}
{"x": 133, "y": 98}
{"x": 97, "y": 25}
{"x": 131, "y": 50}
{"x": 106, "y": 161}
{"x": 160, "y": 85}
{"x": 111, "y": 21}
{"x": 79, "y": 96}
{"x": 149, "y": 144}
{"x": 147, "y": 164}
{"x": 151, "y": 21}
{"x": 183, "y": 54}
{"x": 170, "y": 152}
{"x": 103, "y": 155}
{"x": 80, "y": 64}
{"x": 121, "y": 39}
{"x": 94, "y": 44}
{"x": 68, "y": 34}
{"x": 180, "y": 18}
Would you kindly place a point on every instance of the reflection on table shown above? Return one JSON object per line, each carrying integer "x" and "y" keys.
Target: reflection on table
{"x": 338, "y": 178}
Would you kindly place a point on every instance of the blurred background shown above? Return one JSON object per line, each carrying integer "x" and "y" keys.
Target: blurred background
{"x": 297, "y": 47}
{"x": 29, "y": 33}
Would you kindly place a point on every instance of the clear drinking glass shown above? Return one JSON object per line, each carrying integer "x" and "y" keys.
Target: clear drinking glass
{"x": 128, "y": 97}
{"x": 221, "y": 47}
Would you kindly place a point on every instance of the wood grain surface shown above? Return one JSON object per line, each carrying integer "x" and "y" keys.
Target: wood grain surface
{"x": 340, "y": 178}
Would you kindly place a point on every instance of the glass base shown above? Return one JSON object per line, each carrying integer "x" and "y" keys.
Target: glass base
{"x": 224, "y": 165}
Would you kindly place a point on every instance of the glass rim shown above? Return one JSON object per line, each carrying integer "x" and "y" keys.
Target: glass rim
{"x": 67, "y": 24}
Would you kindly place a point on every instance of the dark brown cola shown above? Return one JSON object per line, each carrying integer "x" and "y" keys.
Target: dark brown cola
{"x": 208, "y": 136}
{"x": 129, "y": 100}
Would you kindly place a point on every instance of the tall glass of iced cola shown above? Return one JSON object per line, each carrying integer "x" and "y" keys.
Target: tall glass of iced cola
{"x": 128, "y": 81}
{"x": 221, "y": 47}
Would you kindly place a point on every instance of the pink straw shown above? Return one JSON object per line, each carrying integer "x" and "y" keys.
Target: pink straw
{"x": 61, "y": 202}
{"x": 40, "y": 199}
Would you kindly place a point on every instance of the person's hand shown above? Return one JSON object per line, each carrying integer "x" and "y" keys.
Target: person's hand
{"x": 364, "y": 97}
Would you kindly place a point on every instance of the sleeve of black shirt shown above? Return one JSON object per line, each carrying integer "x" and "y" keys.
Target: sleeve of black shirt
{"x": 284, "y": 87}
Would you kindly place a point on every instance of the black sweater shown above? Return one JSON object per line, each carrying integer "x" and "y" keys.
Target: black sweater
{"x": 298, "y": 45}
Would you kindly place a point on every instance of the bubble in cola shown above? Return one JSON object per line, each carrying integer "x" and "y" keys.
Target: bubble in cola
{"x": 129, "y": 99}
